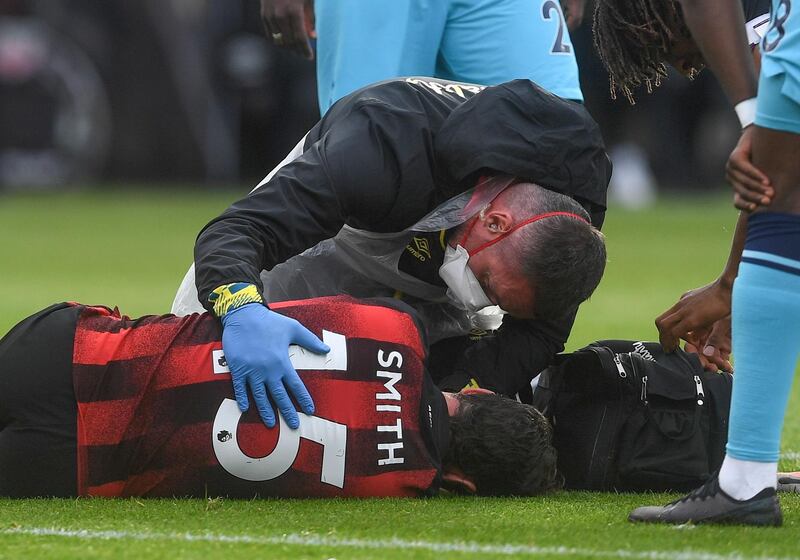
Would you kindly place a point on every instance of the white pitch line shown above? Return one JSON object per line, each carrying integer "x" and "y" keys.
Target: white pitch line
{"x": 382, "y": 544}
{"x": 791, "y": 455}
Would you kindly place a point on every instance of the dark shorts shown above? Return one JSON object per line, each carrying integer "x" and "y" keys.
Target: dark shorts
{"x": 38, "y": 412}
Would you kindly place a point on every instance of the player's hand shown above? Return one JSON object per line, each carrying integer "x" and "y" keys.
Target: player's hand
{"x": 290, "y": 23}
{"x": 573, "y": 12}
{"x": 256, "y": 345}
{"x": 696, "y": 312}
{"x": 713, "y": 347}
{"x": 751, "y": 188}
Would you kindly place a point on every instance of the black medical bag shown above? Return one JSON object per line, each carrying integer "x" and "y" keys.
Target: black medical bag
{"x": 629, "y": 417}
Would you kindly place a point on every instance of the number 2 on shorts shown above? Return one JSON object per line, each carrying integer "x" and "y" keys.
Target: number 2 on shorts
{"x": 548, "y": 7}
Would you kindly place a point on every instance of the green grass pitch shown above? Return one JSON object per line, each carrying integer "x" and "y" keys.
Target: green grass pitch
{"x": 131, "y": 247}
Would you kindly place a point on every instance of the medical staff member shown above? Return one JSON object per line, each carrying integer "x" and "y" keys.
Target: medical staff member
{"x": 402, "y": 169}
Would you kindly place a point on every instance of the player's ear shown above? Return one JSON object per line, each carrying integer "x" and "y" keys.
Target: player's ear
{"x": 498, "y": 221}
{"x": 456, "y": 481}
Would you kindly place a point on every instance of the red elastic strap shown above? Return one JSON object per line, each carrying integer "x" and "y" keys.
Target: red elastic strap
{"x": 535, "y": 218}
{"x": 468, "y": 231}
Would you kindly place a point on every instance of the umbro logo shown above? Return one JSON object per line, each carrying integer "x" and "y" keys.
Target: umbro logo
{"x": 420, "y": 248}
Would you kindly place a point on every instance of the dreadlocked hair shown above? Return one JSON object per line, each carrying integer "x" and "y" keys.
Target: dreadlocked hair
{"x": 632, "y": 38}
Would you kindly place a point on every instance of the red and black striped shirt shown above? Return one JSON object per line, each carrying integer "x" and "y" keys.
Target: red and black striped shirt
{"x": 156, "y": 415}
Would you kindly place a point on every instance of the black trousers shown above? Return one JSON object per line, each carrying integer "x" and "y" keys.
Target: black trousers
{"x": 38, "y": 411}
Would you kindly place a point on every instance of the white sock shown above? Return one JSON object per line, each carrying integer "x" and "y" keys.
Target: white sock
{"x": 742, "y": 480}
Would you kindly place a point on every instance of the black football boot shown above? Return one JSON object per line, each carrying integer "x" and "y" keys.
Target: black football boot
{"x": 709, "y": 504}
{"x": 789, "y": 482}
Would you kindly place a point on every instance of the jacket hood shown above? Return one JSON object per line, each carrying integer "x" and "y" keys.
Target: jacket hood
{"x": 520, "y": 129}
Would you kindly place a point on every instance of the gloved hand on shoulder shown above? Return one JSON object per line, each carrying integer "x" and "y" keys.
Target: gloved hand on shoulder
{"x": 256, "y": 344}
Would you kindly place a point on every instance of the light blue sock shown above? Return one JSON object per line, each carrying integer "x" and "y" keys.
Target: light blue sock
{"x": 766, "y": 341}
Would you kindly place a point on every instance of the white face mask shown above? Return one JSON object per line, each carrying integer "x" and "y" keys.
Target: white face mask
{"x": 463, "y": 289}
{"x": 488, "y": 318}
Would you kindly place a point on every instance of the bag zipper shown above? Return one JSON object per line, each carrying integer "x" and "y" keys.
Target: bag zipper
{"x": 643, "y": 379}
{"x": 698, "y": 385}
{"x": 620, "y": 369}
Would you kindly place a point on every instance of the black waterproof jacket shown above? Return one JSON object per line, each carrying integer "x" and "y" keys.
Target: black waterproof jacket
{"x": 388, "y": 154}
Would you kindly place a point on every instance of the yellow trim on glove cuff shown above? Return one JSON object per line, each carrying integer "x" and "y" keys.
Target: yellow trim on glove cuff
{"x": 232, "y": 296}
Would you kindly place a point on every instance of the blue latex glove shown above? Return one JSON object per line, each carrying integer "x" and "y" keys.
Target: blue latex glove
{"x": 256, "y": 345}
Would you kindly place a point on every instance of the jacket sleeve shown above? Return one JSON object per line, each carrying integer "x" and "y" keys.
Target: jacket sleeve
{"x": 506, "y": 362}
{"x": 350, "y": 175}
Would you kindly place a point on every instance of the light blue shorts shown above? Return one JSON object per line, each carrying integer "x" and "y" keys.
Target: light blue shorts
{"x": 477, "y": 41}
{"x": 778, "y": 105}
{"x": 776, "y": 108}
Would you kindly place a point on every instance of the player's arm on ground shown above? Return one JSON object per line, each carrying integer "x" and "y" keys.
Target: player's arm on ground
{"x": 506, "y": 362}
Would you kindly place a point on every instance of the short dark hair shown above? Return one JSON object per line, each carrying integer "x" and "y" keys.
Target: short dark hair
{"x": 563, "y": 257}
{"x": 504, "y": 446}
{"x": 633, "y": 37}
